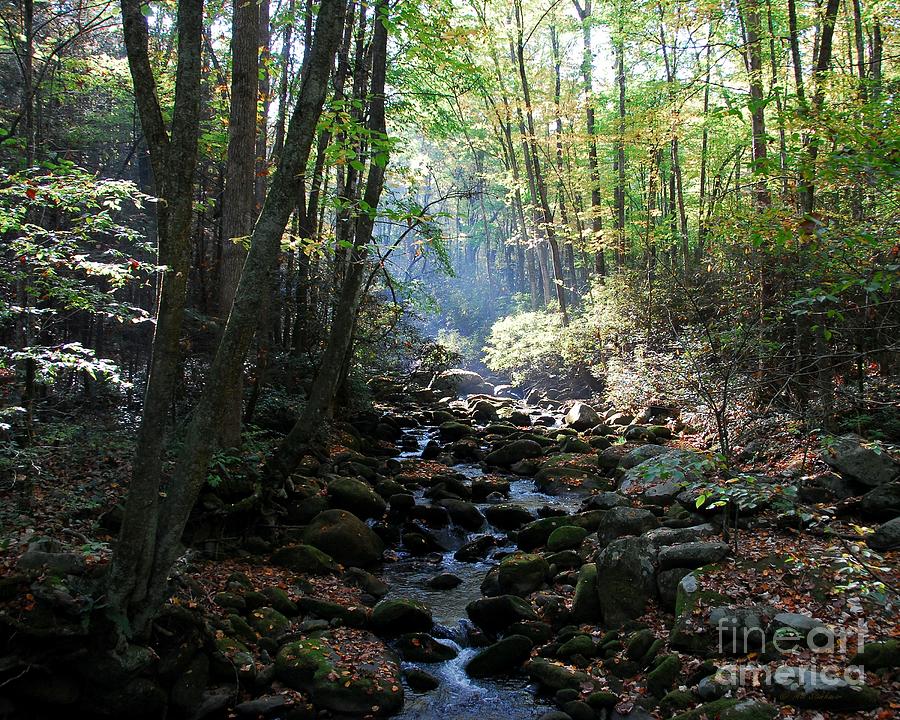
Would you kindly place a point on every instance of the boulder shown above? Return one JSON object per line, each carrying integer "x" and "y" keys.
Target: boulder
{"x": 626, "y": 580}
{"x": 567, "y": 537}
{"x": 886, "y": 537}
{"x": 402, "y": 615}
{"x": 344, "y": 537}
{"x": 621, "y": 521}
{"x": 494, "y": 615}
{"x": 570, "y": 472}
{"x": 314, "y": 666}
{"x": 691, "y": 555}
{"x": 882, "y": 503}
{"x": 555, "y": 677}
{"x": 879, "y": 655}
{"x": 476, "y": 549}
{"x": 268, "y": 622}
{"x": 304, "y": 559}
{"x": 421, "y": 647}
{"x": 536, "y": 533}
{"x": 356, "y": 496}
{"x": 586, "y": 604}
{"x": 503, "y": 656}
{"x": 731, "y": 709}
{"x": 868, "y": 465}
{"x": 664, "y": 676}
{"x": 461, "y": 382}
{"x": 444, "y": 581}
{"x": 508, "y": 516}
{"x": 522, "y": 573}
{"x": 582, "y": 417}
{"x": 513, "y": 452}
{"x": 463, "y": 513}
{"x": 820, "y": 690}
{"x": 453, "y": 430}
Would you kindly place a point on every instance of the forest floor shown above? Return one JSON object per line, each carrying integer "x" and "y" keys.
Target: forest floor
{"x": 817, "y": 569}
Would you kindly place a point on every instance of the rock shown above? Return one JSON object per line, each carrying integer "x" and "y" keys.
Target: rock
{"x": 605, "y": 501}
{"x": 462, "y": 382}
{"x": 691, "y": 555}
{"x": 569, "y": 472}
{"x": 54, "y": 563}
{"x": 621, "y": 521}
{"x": 670, "y": 466}
{"x": 886, "y": 537}
{"x": 731, "y": 709}
{"x": 626, "y": 580}
{"x": 536, "y": 533}
{"x": 463, "y": 513}
{"x": 304, "y": 559}
{"x": 586, "y": 604}
{"x": 582, "y": 417}
{"x": 280, "y": 600}
{"x": 494, "y": 615}
{"x": 444, "y": 581}
{"x": 268, "y": 622}
{"x": 313, "y": 666}
{"x": 344, "y": 537}
{"x": 567, "y": 537}
{"x": 555, "y": 715}
{"x": 522, "y": 573}
{"x": 332, "y": 611}
{"x": 674, "y": 701}
{"x": 357, "y": 497}
{"x": 483, "y": 411}
{"x": 513, "y": 452}
{"x": 421, "y": 681}
{"x": 554, "y": 677}
{"x": 667, "y": 582}
{"x": 453, "y": 430}
{"x": 508, "y": 516}
{"x": 393, "y": 617}
{"x": 421, "y": 647}
{"x": 866, "y": 465}
{"x": 664, "y": 676}
{"x": 366, "y": 581}
{"x": 260, "y": 707}
{"x": 579, "y": 645}
{"x": 229, "y": 600}
{"x": 820, "y": 690}
{"x": 476, "y": 549}
{"x": 661, "y": 494}
{"x": 501, "y": 657}
{"x": 878, "y": 655}
{"x": 882, "y": 503}
{"x": 187, "y": 691}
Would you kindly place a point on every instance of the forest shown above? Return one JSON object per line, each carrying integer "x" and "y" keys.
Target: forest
{"x": 458, "y": 359}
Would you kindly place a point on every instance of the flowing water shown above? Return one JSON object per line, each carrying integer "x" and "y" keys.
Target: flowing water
{"x": 460, "y": 697}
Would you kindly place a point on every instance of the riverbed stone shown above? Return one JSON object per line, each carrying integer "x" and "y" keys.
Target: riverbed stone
{"x": 692, "y": 554}
{"x": 626, "y": 580}
{"x": 582, "y": 416}
{"x": 536, "y": 533}
{"x": 511, "y": 453}
{"x": 400, "y": 615}
{"x": 567, "y": 537}
{"x": 508, "y": 516}
{"x": 522, "y": 573}
{"x": 463, "y": 513}
{"x": 503, "y": 656}
{"x": 814, "y": 689}
{"x": 554, "y": 677}
{"x": 496, "y": 614}
{"x": 621, "y": 521}
{"x": 421, "y": 647}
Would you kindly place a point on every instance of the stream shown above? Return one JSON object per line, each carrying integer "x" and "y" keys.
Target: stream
{"x": 460, "y": 697}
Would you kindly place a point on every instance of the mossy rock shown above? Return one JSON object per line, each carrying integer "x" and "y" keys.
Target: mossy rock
{"x": 495, "y": 614}
{"x": 586, "y": 605}
{"x": 567, "y": 537}
{"x": 402, "y": 615}
{"x": 554, "y": 677}
{"x": 313, "y": 666}
{"x": 664, "y": 676}
{"x": 570, "y": 471}
{"x": 536, "y": 533}
{"x": 331, "y": 611}
{"x": 268, "y": 622}
{"x": 674, "y": 701}
{"x": 344, "y": 537}
{"x": 603, "y": 700}
{"x": 304, "y": 559}
{"x": 501, "y": 657}
{"x": 280, "y": 600}
{"x": 421, "y": 647}
{"x": 356, "y": 496}
{"x": 229, "y": 600}
{"x": 730, "y": 709}
{"x": 879, "y": 655}
{"x": 579, "y": 645}
{"x": 522, "y": 573}
{"x": 639, "y": 644}
{"x": 232, "y": 656}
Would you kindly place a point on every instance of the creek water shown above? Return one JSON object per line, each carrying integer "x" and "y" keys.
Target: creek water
{"x": 459, "y": 697}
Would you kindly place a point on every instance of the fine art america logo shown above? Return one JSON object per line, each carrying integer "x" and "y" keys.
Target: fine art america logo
{"x": 815, "y": 640}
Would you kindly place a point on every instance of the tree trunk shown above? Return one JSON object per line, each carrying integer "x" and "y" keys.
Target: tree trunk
{"x": 142, "y": 590}
{"x": 753, "y": 61}
{"x": 173, "y": 156}
{"x": 239, "y": 198}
